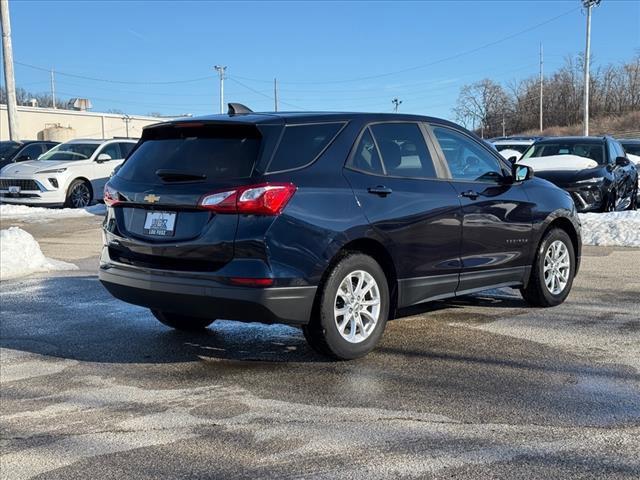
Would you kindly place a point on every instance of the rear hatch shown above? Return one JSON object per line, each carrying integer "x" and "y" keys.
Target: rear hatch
{"x": 158, "y": 223}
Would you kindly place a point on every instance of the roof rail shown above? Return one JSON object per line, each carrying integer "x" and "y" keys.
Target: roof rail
{"x": 236, "y": 108}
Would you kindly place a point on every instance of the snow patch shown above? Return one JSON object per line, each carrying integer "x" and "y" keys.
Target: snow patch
{"x": 558, "y": 163}
{"x": 20, "y": 255}
{"x": 28, "y": 214}
{"x": 611, "y": 229}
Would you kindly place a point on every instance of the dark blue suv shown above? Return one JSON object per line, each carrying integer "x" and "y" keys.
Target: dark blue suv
{"x": 331, "y": 221}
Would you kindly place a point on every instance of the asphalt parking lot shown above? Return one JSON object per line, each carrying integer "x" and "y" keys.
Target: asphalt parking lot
{"x": 480, "y": 387}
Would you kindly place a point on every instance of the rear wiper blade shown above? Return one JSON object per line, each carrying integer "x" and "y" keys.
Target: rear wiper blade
{"x": 169, "y": 175}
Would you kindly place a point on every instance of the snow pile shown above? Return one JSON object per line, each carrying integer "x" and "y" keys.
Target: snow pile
{"x": 614, "y": 228}
{"x": 24, "y": 213}
{"x": 20, "y": 255}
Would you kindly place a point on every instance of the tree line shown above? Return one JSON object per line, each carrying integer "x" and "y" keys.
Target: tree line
{"x": 489, "y": 107}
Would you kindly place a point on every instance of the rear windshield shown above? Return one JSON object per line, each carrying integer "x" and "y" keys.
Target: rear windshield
{"x": 301, "y": 144}
{"x": 518, "y": 148}
{"x": 594, "y": 151}
{"x": 210, "y": 152}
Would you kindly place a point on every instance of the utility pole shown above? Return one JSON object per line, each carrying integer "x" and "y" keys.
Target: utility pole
{"x": 275, "y": 93}
{"x": 588, "y": 4}
{"x": 221, "y": 71}
{"x": 504, "y": 125}
{"x": 541, "y": 82}
{"x": 53, "y": 90}
{"x": 396, "y": 103}
{"x": 9, "y": 78}
{"x": 126, "y": 120}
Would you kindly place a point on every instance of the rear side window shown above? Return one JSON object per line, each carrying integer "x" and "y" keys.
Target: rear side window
{"x": 301, "y": 144}
{"x": 403, "y": 149}
{"x": 213, "y": 151}
{"x": 366, "y": 158}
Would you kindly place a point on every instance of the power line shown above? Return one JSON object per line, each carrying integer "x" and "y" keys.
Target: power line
{"x": 233, "y": 79}
{"x": 435, "y": 62}
{"x": 123, "y": 82}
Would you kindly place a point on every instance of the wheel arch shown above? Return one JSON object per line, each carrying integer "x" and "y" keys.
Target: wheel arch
{"x": 567, "y": 225}
{"x": 376, "y": 250}
{"x": 85, "y": 180}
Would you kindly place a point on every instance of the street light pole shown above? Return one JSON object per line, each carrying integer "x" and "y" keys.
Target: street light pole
{"x": 221, "y": 71}
{"x": 9, "y": 78}
{"x": 588, "y": 4}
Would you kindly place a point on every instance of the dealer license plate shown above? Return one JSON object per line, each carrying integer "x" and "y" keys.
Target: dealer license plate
{"x": 160, "y": 224}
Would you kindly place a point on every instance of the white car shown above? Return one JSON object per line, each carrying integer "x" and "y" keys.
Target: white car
{"x": 72, "y": 174}
{"x": 510, "y": 148}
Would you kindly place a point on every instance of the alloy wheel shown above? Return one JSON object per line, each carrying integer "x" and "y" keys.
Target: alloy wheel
{"x": 80, "y": 196}
{"x": 557, "y": 267}
{"x": 357, "y": 306}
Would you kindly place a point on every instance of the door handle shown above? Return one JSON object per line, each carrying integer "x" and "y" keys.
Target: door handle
{"x": 470, "y": 194}
{"x": 380, "y": 190}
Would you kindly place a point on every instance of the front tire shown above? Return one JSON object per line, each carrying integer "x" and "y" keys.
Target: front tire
{"x": 182, "y": 322}
{"x": 79, "y": 194}
{"x": 552, "y": 271}
{"x": 352, "y": 309}
{"x": 609, "y": 205}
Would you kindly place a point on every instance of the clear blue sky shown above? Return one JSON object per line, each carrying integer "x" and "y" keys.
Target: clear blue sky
{"x": 321, "y": 53}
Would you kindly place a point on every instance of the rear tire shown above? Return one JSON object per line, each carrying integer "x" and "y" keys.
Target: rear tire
{"x": 79, "y": 194}
{"x": 351, "y": 310}
{"x": 182, "y": 322}
{"x": 548, "y": 267}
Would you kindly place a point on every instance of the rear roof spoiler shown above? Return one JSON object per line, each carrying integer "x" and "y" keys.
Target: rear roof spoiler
{"x": 236, "y": 108}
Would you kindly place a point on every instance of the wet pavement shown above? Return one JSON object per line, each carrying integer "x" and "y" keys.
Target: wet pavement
{"x": 481, "y": 387}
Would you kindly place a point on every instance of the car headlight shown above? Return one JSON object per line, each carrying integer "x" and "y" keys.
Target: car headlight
{"x": 591, "y": 180}
{"x": 53, "y": 170}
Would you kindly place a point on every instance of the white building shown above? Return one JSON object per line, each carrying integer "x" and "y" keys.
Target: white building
{"x": 35, "y": 123}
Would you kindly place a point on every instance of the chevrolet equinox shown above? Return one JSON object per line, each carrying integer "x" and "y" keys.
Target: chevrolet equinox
{"x": 334, "y": 222}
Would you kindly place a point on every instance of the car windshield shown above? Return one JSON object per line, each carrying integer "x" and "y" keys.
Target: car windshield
{"x": 594, "y": 151}
{"x": 70, "y": 151}
{"x": 632, "y": 148}
{"x": 7, "y": 149}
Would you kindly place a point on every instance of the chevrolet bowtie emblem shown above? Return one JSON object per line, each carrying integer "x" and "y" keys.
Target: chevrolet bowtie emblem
{"x": 151, "y": 198}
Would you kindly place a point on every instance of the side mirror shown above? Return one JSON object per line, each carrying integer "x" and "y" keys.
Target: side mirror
{"x": 103, "y": 157}
{"x": 520, "y": 172}
{"x": 23, "y": 158}
{"x": 622, "y": 161}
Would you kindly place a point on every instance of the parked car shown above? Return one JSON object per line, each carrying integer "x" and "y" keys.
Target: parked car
{"x": 512, "y": 148}
{"x": 331, "y": 221}
{"x": 13, "y": 152}
{"x": 72, "y": 174}
{"x": 594, "y": 170}
{"x": 632, "y": 147}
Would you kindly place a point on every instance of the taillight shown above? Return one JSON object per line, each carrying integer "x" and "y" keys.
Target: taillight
{"x": 111, "y": 197}
{"x": 262, "y": 199}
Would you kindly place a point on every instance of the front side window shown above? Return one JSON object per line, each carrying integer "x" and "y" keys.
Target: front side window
{"x": 125, "y": 148}
{"x": 301, "y": 144}
{"x": 632, "y": 148}
{"x": 366, "y": 158}
{"x": 70, "y": 151}
{"x": 467, "y": 160}
{"x": 112, "y": 150}
{"x": 403, "y": 149}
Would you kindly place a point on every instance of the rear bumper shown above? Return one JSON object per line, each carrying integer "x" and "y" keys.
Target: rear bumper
{"x": 200, "y": 297}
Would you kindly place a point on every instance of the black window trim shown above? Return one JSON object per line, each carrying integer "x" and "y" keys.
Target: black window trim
{"x": 420, "y": 124}
{"x": 501, "y": 161}
{"x": 342, "y": 124}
